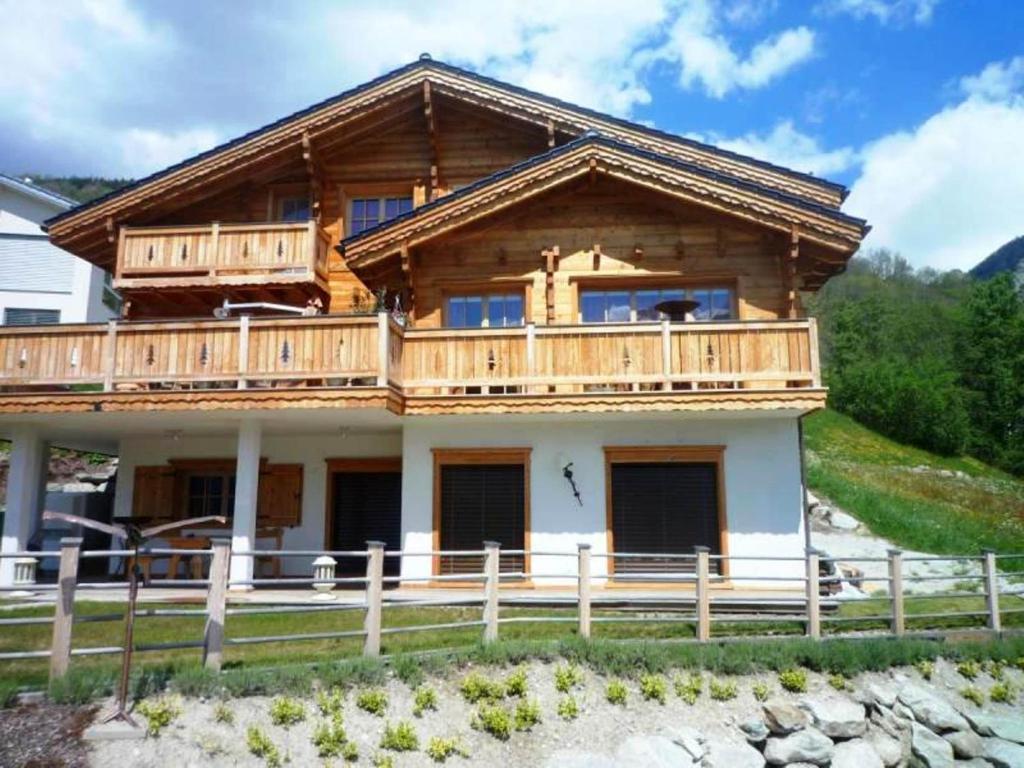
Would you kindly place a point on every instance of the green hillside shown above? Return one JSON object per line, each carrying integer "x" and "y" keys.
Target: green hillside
{"x": 917, "y": 499}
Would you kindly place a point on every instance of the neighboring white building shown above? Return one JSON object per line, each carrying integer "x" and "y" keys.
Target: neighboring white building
{"x": 40, "y": 283}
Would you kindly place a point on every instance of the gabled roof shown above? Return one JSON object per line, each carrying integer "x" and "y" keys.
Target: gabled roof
{"x": 287, "y": 133}
{"x": 594, "y": 153}
{"x": 27, "y": 188}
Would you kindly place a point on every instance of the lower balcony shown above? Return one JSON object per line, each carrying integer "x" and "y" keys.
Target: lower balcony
{"x": 652, "y": 366}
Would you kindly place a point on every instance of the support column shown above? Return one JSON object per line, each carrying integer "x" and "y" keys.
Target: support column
{"x": 247, "y": 482}
{"x": 26, "y": 481}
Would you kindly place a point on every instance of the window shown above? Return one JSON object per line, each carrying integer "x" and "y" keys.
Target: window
{"x": 293, "y": 209}
{"x": 638, "y": 305}
{"x": 367, "y": 212}
{"x": 491, "y": 310}
{"x": 14, "y": 316}
{"x": 210, "y": 494}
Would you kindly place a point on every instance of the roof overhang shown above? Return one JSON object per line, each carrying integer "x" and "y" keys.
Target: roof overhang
{"x": 683, "y": 181}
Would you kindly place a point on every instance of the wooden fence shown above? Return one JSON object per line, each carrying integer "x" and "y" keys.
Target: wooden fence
{"x": 798, "y": 598}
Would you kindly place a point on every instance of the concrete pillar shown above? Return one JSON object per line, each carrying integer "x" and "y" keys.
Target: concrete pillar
{"x": 26, "y": 484}
{"x": 247, "y": 481}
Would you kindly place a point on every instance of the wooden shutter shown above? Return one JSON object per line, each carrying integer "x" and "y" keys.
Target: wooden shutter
{"x": 153, "y": 495}
{"x": 280, "y": 496}
{"x": 482, "y": 502}
{"x": 662, "y": 507}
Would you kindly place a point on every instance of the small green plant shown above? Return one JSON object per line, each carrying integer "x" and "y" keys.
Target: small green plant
{"x": 568, "y": 707}
{"x": 475, "y": 688}
{"x": 493, "y": 719}
{"x": 567, "y": 677}
{"x": 794, "y": 680}
{"x": 654, "y": 688}
{"x": 722, "y": 690}
{"x": 400, "y": 738}
{"x": 969, "y": 668}
{"x": 382, "y": 761}
{"x": 527, "y": 715}
{"x": 689, "y": 688}
{"x": 349, "y": 752}
{"x": 425, "y": 698}
{"x": 616, "y": 692}
{"x": 837, "y": 681}
{"x": 211, "y": 745}
{"x": 515, "y": 683}
{"x": 761, "y": 690}
{"x": 1003, "y": 692}
{"x": 925, "y": 668}
{"x": 330, "y": 702}
{"x": 330, "y": 738}
{"x": 973, "y": 693}
{"x": 260, "y": 745}
{"x": 440, "y": 749}
{"x": 373, "y": 700}
{"x": 995, "y": 668}
{"x": 159, "y": 713}
{"x": 286, "y": 712}
{"x": 1019, "y": 663}
{"x": 222, "y": 714}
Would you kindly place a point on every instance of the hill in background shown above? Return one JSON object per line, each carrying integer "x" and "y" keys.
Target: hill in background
{"x": 1008, "y": 257}
{"x": 81, "y": 189}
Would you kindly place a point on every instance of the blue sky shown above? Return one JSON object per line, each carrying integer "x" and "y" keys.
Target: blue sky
{"x": 916, "y": 105}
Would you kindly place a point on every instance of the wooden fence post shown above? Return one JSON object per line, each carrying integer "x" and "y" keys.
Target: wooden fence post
{"x": 896, "y": 590}
{"x": 492, "y": 555}
{"x": 995, "y": 621}
{"x": 383, "y": 349}
{"x": 666, "y": 353}
{"x": 64, "y": 611}
{"x": 216, "y": 604}
{"x": 813, "y": 595}
{"x": 703, "y": 596}
{"x": 374, "y": 597}
{"x": 583, "y": 569}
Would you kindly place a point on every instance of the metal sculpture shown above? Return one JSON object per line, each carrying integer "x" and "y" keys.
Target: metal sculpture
{"x": 134, "y": 538}
{"x": 567, "y": 474}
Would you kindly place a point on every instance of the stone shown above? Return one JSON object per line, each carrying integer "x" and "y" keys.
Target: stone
{"x": 842, "y": 521}
{"x": 812, "y": 500}
{"x": 573, "y": 758}
{"x": 755, "y": 731}
{"x": 1001, "y": 726}
{"x": 902, "y": 711}
{"x": 115, "y": 730}
{"x": 651, "y": 752}
{"x": 892, "y": 750}
{"x": 804, "y": 746}
{"x": 976, "y": 762}
{"x": 836, "y": 716}
{"x": 928, "y": 709}
{"x": 883, "y": 693}
{"x": 888, "y": 721}
{"x": 856, "y": 753}
{"x": 687, "y": 737}
{"x": 966, "y": 744}
{"x": 732, "y": 754}
{"x": 1002, "y": 753}
{"x": 932, "y": 750}
{"x": 783, "y": 717}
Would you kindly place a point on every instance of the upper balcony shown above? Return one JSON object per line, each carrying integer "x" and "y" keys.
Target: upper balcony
{"x": 372, "y": 359}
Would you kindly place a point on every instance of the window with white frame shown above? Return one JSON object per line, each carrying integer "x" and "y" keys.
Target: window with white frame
{"x": 487, "y": 310}
{"x": 367, "y": 212}
{"x": 626, "y": 305}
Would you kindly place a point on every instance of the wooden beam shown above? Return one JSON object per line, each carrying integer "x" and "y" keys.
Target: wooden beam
{"x": 550, "y": 265}
{"x": 315, "y": 172}
{"x": 794, "y": 255}
{"x": 551, "y": 134}
{"x": 429, "y": 114}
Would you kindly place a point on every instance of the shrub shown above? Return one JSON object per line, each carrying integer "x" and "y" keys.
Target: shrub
{"x": 794, "y": 680}
{"x": 722, "y": 690}
{"x": 400, "y": 738}
{"x": 439, "y": 749}
{"x": 568, "y": 708}
{"x": 654, "y": 687}
{"x": 285, "y": 711}
{"x": 260, "y": 745}
{"x": 425, "y": 698}
{"x": 837, "y": 681}
{"x": 475, "y": 687}
{"x": 925, "y": 668}
{"x": 515, "y": 683}
{"x": 493, "y": 719}
{"x": 222, "y": 714}
{"x": 995, "y": 668}
{"x": 373, "y": 700}
{"x": 159, "y": 713}
{"x": 383, "y": 761}
{"x": 1003, "y": 692}
{"x": 969, "y": 668}
{"x": 527, "y": 715}
{"x": 761, "y": 690}
{"x": 689, "y": 688}
{"x": 972, "y": 693}
{"x": 329, "y": 702}
{"x": 616, "y": 692}
{"x": 1019, "y": 663}
{"x": 567, "y": 676}
{"x": 330, "y": 738}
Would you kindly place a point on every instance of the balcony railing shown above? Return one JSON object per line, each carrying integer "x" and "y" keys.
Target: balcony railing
{"x": 225, "y": 253}
{"x": 375, "y": 351}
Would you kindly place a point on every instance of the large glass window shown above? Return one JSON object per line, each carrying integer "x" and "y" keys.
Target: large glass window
{"x": 638, "y": 305}
{"x": 367, "y": 212}
{"x": 490, "y": 310}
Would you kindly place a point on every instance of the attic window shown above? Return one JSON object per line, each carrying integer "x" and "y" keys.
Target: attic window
{"x": 293, "y": 208}
{"x": 367, "y": 212}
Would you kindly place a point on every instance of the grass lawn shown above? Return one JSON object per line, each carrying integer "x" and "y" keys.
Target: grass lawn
{"x": 870, "y": 476}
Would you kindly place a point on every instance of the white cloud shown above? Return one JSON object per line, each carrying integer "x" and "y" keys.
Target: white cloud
{"x": 999, "y": 81}
{"x": 786, "y": 146}
{"x": 883, "y": 11}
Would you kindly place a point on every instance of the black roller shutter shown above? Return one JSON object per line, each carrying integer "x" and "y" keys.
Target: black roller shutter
{"x": 663, "y": 508}
{"x": 482, "y": 502}
{"x": 367, "y": 507}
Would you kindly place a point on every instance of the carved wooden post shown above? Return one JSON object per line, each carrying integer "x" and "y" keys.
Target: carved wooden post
{"x": 492, "y": 554}
{"x": 64, "y": 611}
{"x": 382, "y": 349}
{"x": 374, "y": 597}
{"x": 703, "y": 596}
{"x": 216, "y": 604}
{"x": 243, "y": 351}
{"x": 109, "y": 356}
{"x": 896, "y": 590}
{"x": 583, "y": 568}
{"x": 995, "y": 622}
{"x": 531, "y": 355}
{"x": 813, "y": 595}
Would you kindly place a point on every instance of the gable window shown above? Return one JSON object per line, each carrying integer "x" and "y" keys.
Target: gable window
{"x": 13, "y": 316}
{"x": 293, "y": 208}
{"x": 367, "y": 212}
{"x": 638, "y": 305}
{"x": 489, "y": 310}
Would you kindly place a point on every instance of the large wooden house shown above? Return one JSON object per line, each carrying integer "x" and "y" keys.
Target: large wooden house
{"x": 563, "y": 293}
